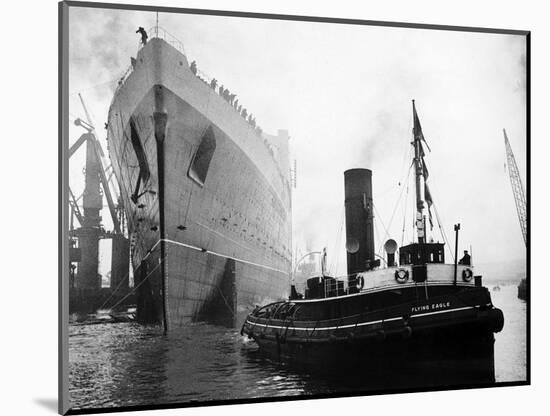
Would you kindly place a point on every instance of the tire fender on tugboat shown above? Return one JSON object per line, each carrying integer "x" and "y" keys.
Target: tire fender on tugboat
{"x": 496, "y": 318}
{"x": 401, "y": 275}
{"x": 467, "y": 275}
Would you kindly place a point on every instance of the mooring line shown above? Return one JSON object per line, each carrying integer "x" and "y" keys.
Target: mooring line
{"x": 116, "y": 289}
{"x": 140, "y": 283}
{"x": 263, "y": 266}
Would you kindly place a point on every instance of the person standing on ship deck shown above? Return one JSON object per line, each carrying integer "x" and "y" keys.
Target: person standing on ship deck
{"x": 143, "y": 34}
{"x": 193, "y": 67}
{"x": 466, "y": 259}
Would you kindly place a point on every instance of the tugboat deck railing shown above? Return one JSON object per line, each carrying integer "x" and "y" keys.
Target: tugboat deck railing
{"x": 384, "y": 279}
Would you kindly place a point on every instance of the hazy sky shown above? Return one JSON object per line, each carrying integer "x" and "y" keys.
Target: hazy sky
{"x": 344, "y": 94}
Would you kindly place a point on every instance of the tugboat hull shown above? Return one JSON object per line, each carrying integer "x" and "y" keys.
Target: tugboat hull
{"x": 437, "y": 343}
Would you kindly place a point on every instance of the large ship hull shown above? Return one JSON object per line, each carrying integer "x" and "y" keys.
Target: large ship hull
{"x": 206, "y": 195}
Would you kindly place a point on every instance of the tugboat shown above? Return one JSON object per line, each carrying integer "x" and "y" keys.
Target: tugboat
{"x": 414, "y": 308}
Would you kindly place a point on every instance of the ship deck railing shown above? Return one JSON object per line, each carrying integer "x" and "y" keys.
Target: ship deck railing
{"x": 337, "y": 286}
{"x": 161, "y": 33}
{"x": 157, "y": 32}
{"x": 154, "y": 32}
{"x": 123, "y": 78}
{"x": 333, "y": 284}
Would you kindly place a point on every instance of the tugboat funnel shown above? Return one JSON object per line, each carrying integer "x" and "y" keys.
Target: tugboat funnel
{"x": 359, "y": 220}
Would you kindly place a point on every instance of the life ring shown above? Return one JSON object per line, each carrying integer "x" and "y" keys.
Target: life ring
{"x": 359, "y": 282}
{"x": 467, "y": 275}
{"x": 401, "y": 275}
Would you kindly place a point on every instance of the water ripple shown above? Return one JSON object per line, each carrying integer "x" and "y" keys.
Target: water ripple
{"x": 126, "y": 364}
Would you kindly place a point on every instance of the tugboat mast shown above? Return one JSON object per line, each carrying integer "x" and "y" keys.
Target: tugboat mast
{"x": 418, "y": 162}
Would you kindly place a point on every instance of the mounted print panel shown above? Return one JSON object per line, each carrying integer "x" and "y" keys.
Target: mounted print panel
{"x": 264, "y": 206}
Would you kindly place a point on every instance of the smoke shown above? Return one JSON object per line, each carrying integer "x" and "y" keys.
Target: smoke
{"x": 469, "y": 85}
{"x": 309, "y": 231}
{"x": 107, "y": 53}
{"x": 382, "y": 140}
{"x": 100, "y": 45}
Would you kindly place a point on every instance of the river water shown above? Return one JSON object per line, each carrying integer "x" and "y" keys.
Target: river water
{"x": 125, "y": 364}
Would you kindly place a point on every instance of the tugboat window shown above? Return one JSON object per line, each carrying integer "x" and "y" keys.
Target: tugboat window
{"x": 201, "y": 161}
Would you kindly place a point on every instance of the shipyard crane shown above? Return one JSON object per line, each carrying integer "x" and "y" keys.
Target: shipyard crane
{"x": 91, "y": 137}
{"x": 517, "y": 187}
{"x": 86, "y": 291}
{"x": 75, "y": 209}
{"x": 101, "y": 159}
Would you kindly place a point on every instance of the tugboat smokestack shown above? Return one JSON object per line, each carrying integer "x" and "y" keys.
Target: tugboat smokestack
{"x": 359, "y": 220}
